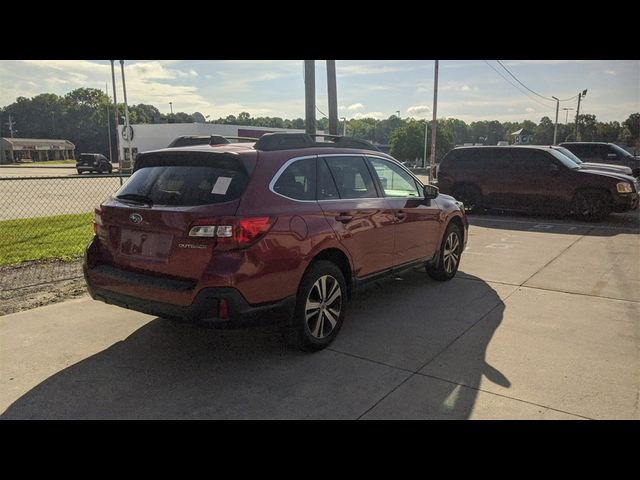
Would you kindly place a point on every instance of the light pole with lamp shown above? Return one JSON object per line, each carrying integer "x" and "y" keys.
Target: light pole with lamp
{"x": 566, "y": 120}
{"x": 555, "y": 128}
{"x": 580, "y": 95}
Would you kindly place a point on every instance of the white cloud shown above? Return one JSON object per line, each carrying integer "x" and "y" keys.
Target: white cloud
{"x": 418, "y": 110}
{"x": 466, "y": 88}
{"x": 611, "y": 72}
{"x": 376, "y": 115}
{"x": 529, "y": 110}
{"x": 355, "y": 106}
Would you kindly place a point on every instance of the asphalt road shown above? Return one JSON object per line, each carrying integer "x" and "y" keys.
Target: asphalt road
{"x": 542, "y": 322}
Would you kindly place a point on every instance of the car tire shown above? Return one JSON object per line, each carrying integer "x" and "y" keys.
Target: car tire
{"x": 592, "y": 206}
{"x": 109, "y": 169}
{"x": 470, "y": 196}
{"x": 320, "y": 307}
{"x": 79, "y": 172}
{"x": 100, "y": 169}
{"x": 449, "y": 256}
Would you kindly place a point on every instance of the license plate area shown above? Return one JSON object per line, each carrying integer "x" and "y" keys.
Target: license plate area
{"x": 147, "y": 245}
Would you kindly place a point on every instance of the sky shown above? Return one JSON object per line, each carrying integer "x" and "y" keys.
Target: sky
{"x": 470, "y": 90}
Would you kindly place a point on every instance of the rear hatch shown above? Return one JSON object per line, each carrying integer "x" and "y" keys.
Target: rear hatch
{"x": 146, "y": 223}
{"x": 86, "y": 159}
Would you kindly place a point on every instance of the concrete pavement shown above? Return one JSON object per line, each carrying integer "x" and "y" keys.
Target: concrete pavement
{"x": 543, "y": 322}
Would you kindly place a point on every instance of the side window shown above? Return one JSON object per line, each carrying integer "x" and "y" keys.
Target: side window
{"x": 395, "y": 181}
{"x": 298, "y": 180}
{"x": 352, "y": 177}
{"x": 327, "y": 189}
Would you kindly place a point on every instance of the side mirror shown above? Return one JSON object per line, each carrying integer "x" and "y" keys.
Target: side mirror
{"x": 431, "y": 192}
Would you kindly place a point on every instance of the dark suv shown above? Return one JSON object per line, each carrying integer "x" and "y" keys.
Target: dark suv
{"x": 93, "y": 162}
{"x": 601, "y": 152}
{"x": 533, "y": 178}
{"x": 227, "y": 233}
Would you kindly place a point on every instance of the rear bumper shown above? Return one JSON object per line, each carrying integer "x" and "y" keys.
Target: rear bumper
{"x": 85, "y": 167}
{"x": 203, "y": 308}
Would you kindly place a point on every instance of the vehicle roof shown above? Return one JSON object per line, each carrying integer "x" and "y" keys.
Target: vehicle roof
{"x": 502, "y": 147}
{"x": 245, "y": 148}
{"x": 590, "y": 143}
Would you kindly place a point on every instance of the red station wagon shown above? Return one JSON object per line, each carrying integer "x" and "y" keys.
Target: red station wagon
{"x": 228, "y": 233}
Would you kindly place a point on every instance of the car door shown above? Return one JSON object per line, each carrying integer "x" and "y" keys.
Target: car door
{"x": 360, "y": 217}
{"x": 418, "y": 221}
{"x": 533, "y": 181}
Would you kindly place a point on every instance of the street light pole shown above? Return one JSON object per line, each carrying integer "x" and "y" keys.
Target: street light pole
{"x": 566, "y": 120}
{"x": 171, "y": 105}
{"x": 344, "y": 126}
{"x": 126, "y": 114}
{"x": 435, "y": 120}
{"x": 106, "y": 89}
{"x": 555, "y": 129}
{"x": 580, "y": 95}
{"x": 115, "y": 114}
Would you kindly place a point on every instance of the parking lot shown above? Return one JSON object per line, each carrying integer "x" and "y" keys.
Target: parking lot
{"x": 542, "y": 322}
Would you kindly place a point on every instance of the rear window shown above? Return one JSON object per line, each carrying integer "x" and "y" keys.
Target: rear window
{"x": 86, "y": 157}
{"x": 186, "y": 185}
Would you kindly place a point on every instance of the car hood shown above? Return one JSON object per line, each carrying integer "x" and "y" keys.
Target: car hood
{"x": 606, "y": 166}
{"x": 603, "y": 173}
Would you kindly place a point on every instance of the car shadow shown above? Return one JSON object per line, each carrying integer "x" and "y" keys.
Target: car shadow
{"x": 614, "y": 224}
{"x": 169, "y": 370}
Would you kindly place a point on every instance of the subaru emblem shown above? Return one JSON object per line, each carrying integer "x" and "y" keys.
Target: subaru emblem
{"x": 135, "y": 218}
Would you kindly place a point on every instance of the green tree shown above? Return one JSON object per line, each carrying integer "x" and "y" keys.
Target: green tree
{"x": 407, "y": 142}
{"x": 543, "y": 134}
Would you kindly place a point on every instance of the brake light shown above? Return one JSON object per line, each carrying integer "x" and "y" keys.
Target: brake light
{"x": 97, "y": 219}
{"x": 232, "y": 232}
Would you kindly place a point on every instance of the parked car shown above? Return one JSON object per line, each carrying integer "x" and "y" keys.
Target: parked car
{"x": 93, "y": 162}
{"x": 228, "y": 233}
{"x": 535, "y": 178}
{"x": 601, "y": 152}
{"x": 605, "y": 167}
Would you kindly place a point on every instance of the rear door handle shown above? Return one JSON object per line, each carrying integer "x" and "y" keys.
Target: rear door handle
{"x": 344, "y": 218}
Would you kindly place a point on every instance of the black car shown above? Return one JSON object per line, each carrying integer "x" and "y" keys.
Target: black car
{"x": 601, "y": 152}
{"x": 93, "y": 162}
{"x": 533, "y": 178}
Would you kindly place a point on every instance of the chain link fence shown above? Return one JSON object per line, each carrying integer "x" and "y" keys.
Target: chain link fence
{"x": 45, "y": 224}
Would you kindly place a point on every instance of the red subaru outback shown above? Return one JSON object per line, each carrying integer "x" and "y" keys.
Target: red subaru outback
{"x": 227, "y": 233}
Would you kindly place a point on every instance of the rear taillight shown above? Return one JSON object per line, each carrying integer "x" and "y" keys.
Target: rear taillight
{"x": 232, "y": 232}
{"x": 97, "y": 219}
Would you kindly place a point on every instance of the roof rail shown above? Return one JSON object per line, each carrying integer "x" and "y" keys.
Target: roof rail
{"x": 222, "y": 139}
{"x": 289, "y": 141}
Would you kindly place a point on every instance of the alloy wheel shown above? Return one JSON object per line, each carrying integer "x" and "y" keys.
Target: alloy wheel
{"x": 451, "y": 254}
{"x": 323, "y": 306}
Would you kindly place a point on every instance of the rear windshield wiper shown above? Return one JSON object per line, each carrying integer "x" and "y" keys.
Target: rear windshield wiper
{"x": 136, "y": 198}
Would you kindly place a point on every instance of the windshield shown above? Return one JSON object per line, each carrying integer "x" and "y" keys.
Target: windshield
{"x": 620, "y": 151}
{"x": 568, "y": 153}
{"x": 567, "y": 162}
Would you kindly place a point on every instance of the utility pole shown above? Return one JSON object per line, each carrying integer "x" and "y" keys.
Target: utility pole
{"x": 424, "y": 158}
{"x": 310, "y": 96}
{"x": 126, "y": 115}
{"x": 332, "y": 93}
{"x": 10, "y": 123}
{"x": 580, "y": 95}
{"x": 106, "y": 90}
{"x": 435, "y": 113}
{"x": 555, "y": 129}
{"x": 344, "y": 126}
{"x": 115, "y": 115}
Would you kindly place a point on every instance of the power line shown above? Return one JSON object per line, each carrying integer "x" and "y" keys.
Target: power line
{"x": 516, "y": 87}
{"x": 321, "y": 112}
{"x": 535, "y": 93}
{"x": 541, "y": 96}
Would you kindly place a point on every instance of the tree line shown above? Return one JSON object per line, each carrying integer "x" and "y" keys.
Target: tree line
{"x": 81, "y": 116}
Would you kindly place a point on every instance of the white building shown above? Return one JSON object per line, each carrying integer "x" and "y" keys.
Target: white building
{"x": 152, "y": 136}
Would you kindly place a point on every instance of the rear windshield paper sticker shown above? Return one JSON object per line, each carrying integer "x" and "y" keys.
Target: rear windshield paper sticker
{"x": 222, "y": 185}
